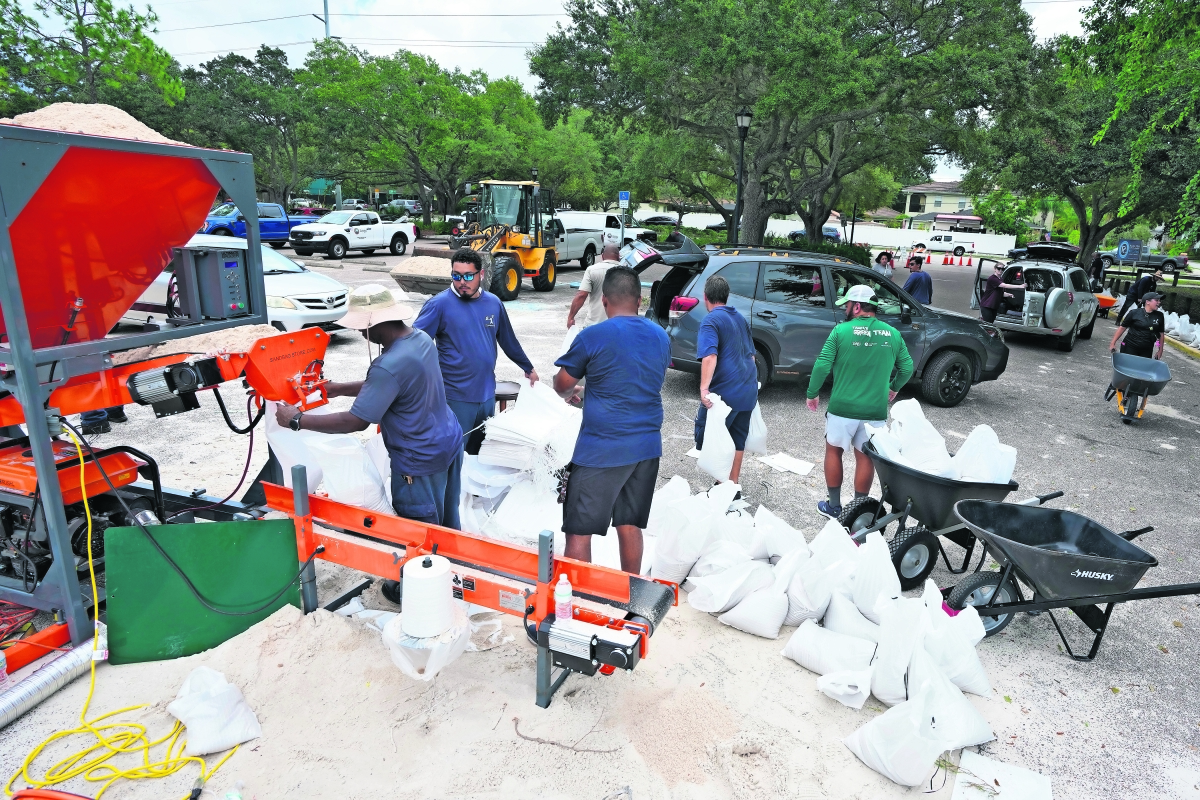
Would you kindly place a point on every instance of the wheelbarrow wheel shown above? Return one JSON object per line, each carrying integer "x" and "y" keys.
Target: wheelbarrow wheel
{"x": 860, "y": 513}
{"x": 977, "y": 590}
{"x": 914, "y": 553}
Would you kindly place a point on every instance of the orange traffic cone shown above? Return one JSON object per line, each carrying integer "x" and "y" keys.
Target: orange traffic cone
{"x": 945, "y": 260}
{"x": 969, "y": 264}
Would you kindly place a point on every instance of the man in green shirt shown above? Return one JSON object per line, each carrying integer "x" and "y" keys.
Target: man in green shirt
{"x": 870, "y": 363}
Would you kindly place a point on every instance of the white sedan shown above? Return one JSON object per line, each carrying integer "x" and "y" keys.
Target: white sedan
{"x": 296, "y": 297}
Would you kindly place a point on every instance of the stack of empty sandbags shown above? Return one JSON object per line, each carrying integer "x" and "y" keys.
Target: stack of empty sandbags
{"x": 912, "y": 441}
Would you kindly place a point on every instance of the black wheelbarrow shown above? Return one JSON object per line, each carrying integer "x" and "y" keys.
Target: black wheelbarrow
{"x": 1068, "y": 561}
{"x": 1135, "y": 380}
{"x": 929, "y": 499}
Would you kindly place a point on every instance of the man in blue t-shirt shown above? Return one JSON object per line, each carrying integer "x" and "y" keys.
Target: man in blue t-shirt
{"x": 467, "y": 324}
{"x": 403, "y": 395}
{"x": 919, "y": 284}
{"x": 615, "y": 465}
{"x": 726, "y": 354}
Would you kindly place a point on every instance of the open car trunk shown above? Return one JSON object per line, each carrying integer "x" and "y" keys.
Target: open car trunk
{"x": 686, "y": 261}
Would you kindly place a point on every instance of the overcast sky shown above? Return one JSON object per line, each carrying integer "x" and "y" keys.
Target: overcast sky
{"x": 467, "y": 34}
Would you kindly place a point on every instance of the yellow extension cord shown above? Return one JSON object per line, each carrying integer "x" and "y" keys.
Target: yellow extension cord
{"x": 128, "y": 737}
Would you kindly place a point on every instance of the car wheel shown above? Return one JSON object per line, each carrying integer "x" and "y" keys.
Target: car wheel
{"x": 857, "y": 515}
{"x": 958, "y": 251}
{"x": 762, "y": 366}
{"x": 337, "y": 249}
{"x": 278, "y": 245}
{"x": 506, "y": 277}
{"x": 544, "y": 280}
{"x": 977, "y": 590}
{"x": 920, "y": 244}
{"x": 399, "y": 244}
{"x": 589, "y": 257}
{"x": 1106, "y": 262}
{"x": 222, "y": 232}
{"x": 1168, "y": 266}
{"x": 1066, "y": 343}
{"x": 947, "y": 379}
{"x": 304, "y": 252}
{"x": 914, "y": 554}
{"x": 1086, "y": 333}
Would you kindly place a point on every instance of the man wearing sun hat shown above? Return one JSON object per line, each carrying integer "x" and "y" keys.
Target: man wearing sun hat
{"x": 870, "y": 363}
{"x": 403, "y": 394}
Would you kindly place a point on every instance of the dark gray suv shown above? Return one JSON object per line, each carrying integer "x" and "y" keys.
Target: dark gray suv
{"x": 789, "y": 297}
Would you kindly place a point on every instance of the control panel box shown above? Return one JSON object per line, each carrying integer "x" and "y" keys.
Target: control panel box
{"x": 222, "y": 283}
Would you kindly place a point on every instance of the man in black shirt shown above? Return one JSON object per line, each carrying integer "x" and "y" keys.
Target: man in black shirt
{"x": 1143, "y": 329}
{"x": 1137, "y": 291}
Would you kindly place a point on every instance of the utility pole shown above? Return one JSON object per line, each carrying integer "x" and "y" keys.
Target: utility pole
{"x": 326, "y": 19}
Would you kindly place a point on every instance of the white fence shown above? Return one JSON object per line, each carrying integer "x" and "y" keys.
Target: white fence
{"x": 879, "y": 236}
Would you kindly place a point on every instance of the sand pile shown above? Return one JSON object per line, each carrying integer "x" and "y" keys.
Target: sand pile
{"x": 424, "y": 265}
{"x": 230, "y": 340}
{"x": 95, "y": 119}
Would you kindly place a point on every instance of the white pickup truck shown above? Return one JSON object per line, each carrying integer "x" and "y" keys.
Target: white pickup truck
{"x": 955, "y": 243}
{"x": 574, "y": 243}
{"x": 609, "y": 224}
{"x": 338, "y": 232}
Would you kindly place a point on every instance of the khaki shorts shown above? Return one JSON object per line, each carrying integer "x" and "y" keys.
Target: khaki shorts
{"x": 846, "y": 433}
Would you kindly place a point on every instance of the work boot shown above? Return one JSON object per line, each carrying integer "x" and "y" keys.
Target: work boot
{"x": 95, "y": 428}
{"x": 117, "y": 414}
{"x": 831, "y": 511}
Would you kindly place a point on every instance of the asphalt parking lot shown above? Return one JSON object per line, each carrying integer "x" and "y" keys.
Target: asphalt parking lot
{"x": 1126, "y": 725}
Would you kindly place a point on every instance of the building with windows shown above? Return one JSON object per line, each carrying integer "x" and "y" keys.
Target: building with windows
{"x": 936, "y": 197}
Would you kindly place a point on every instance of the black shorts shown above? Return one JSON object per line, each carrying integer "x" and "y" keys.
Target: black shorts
{"x": 988, "y": 314}
{"x": 1134, "y": 350}
{"x": 601, "y": 496}
{"x": 738, "y": 423}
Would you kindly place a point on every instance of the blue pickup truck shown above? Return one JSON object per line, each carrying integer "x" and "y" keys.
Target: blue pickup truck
{"x": 274, "y": 226}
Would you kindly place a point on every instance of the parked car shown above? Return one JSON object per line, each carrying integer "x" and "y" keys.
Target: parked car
{"x": 339, "y": 232}
{"x": 407, "y": 206}
{"x": 609, "y": 223}
{"x": 1153, "y": 260}
{"x": 1058, "y": 302}
{"x": 659, "y": 219}
{"x": 296, "y": 297}
{"x": 274, "y": 224}
{"x": 355, "y": 205}
{"x": 954, "y": 243}
{"x": 310, "y": 211}
{"x": 832, "y": 233}
{"x": 789, "y": 298}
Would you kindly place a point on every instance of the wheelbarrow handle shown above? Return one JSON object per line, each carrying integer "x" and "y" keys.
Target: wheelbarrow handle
{"x": 1039, "y": 499}
{"x": 1129, "y": 536}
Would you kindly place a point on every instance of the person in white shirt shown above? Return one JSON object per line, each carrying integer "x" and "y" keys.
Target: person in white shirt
{"x": 588, "y": 299}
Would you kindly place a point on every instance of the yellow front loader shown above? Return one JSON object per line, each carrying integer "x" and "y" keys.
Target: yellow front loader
{"x": 515, "y": 227}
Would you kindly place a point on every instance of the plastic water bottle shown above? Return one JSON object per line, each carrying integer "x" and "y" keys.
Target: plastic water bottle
{"x": 562, "y": 598}
{"x": 236, "y": 792}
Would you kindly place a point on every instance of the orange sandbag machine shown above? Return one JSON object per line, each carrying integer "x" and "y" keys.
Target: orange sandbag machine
{"x": 67, "y": 276}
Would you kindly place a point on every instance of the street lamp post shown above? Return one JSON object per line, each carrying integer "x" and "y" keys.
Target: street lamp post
{"x": 743, "y": 123}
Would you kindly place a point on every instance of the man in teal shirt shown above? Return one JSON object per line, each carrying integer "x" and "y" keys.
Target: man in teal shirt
{"x": 863, "y": 352}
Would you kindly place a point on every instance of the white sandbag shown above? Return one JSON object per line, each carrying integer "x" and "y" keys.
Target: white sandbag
{"x": 825, "y": 652}
{"x": 718, "y": 593}
{"x": 527, "y": 510}
{"x": 966, "y": 622}
{"x": 214, "y": 712}
{"x": 920, "y": 443}
{"x": 776, "y": 536}
{"x": 983, "y": 459}
{"x": 685, "y": 530}
{"x": 950, "y": 649}
{"x": 875, "y": 577}
{"x": 675, "y": 490}
{"x": 843, "y": 616}
{"x": 808, "y": 593}
{"x": 900, "y": 743}
{"x": 572, "y": 332}
{"x": 886, "y": 444}
{"x": 350, "y": 476}
{"x": 717, "y": 557}
{"x": 760, "y": 613}
{"x": 901, "y": 630}
{"x": 377, "y": 452}
{"x": 756, "y": 439}
{"x": 785, "y": 569}
{"x": 833, "y": 544}
{"x": 849, "y": 687}
{"x": 422, "y": 659}
{"x": 1170, "y": 322}
{"x": 291, "y": 447}
{"x": 716, "y": 457}
{"x": 955, "y": 721}
{"x": 737, "y": 527}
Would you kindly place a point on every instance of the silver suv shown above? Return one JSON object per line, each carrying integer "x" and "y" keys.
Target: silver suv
{"x": 1057, "y": 300}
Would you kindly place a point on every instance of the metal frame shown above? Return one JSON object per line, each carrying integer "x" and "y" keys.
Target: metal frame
{"x": 37, "y": 152}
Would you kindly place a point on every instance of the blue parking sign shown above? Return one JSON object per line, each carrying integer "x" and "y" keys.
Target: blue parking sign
{"x": 623, "y": 199}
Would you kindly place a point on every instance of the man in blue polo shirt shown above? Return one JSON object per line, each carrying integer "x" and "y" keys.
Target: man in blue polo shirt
{"x": 403, "y": 395}
{"x": 615, "y": 464}
{"x": 726, "y": 354}
{"x": 467, "y": 323}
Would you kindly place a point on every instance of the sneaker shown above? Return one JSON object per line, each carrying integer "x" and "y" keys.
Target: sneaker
{"x": 833, "y": 512}
{"x": 96, "y": 428}
{"x": 117, "y": 414}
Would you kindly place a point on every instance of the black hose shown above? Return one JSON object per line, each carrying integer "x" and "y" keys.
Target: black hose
{"x": 187, "y": 581}
{"x": 225, "y": 413}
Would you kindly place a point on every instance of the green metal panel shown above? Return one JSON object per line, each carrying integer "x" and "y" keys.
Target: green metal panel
{"x": 236, "y": 566}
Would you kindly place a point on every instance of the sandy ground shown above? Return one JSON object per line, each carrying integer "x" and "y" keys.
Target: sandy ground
{"x": 714, "y": 712}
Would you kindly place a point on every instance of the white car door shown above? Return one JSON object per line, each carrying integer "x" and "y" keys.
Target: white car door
{"x": 360, "y": 231}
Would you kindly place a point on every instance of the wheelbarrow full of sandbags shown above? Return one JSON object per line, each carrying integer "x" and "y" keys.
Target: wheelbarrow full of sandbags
{"x": 1067, "y": 561}
{"x": 929, "y": 500}
{"x": 1134, "y": 380}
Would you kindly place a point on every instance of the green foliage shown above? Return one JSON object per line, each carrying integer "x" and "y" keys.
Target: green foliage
{"x": 1005, "y": 212}
{"x": 1073, "y": 237}
{"x": 701, "y": 236}
{"x": 71, "y": 50}
{"x": 851, "y": 252}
